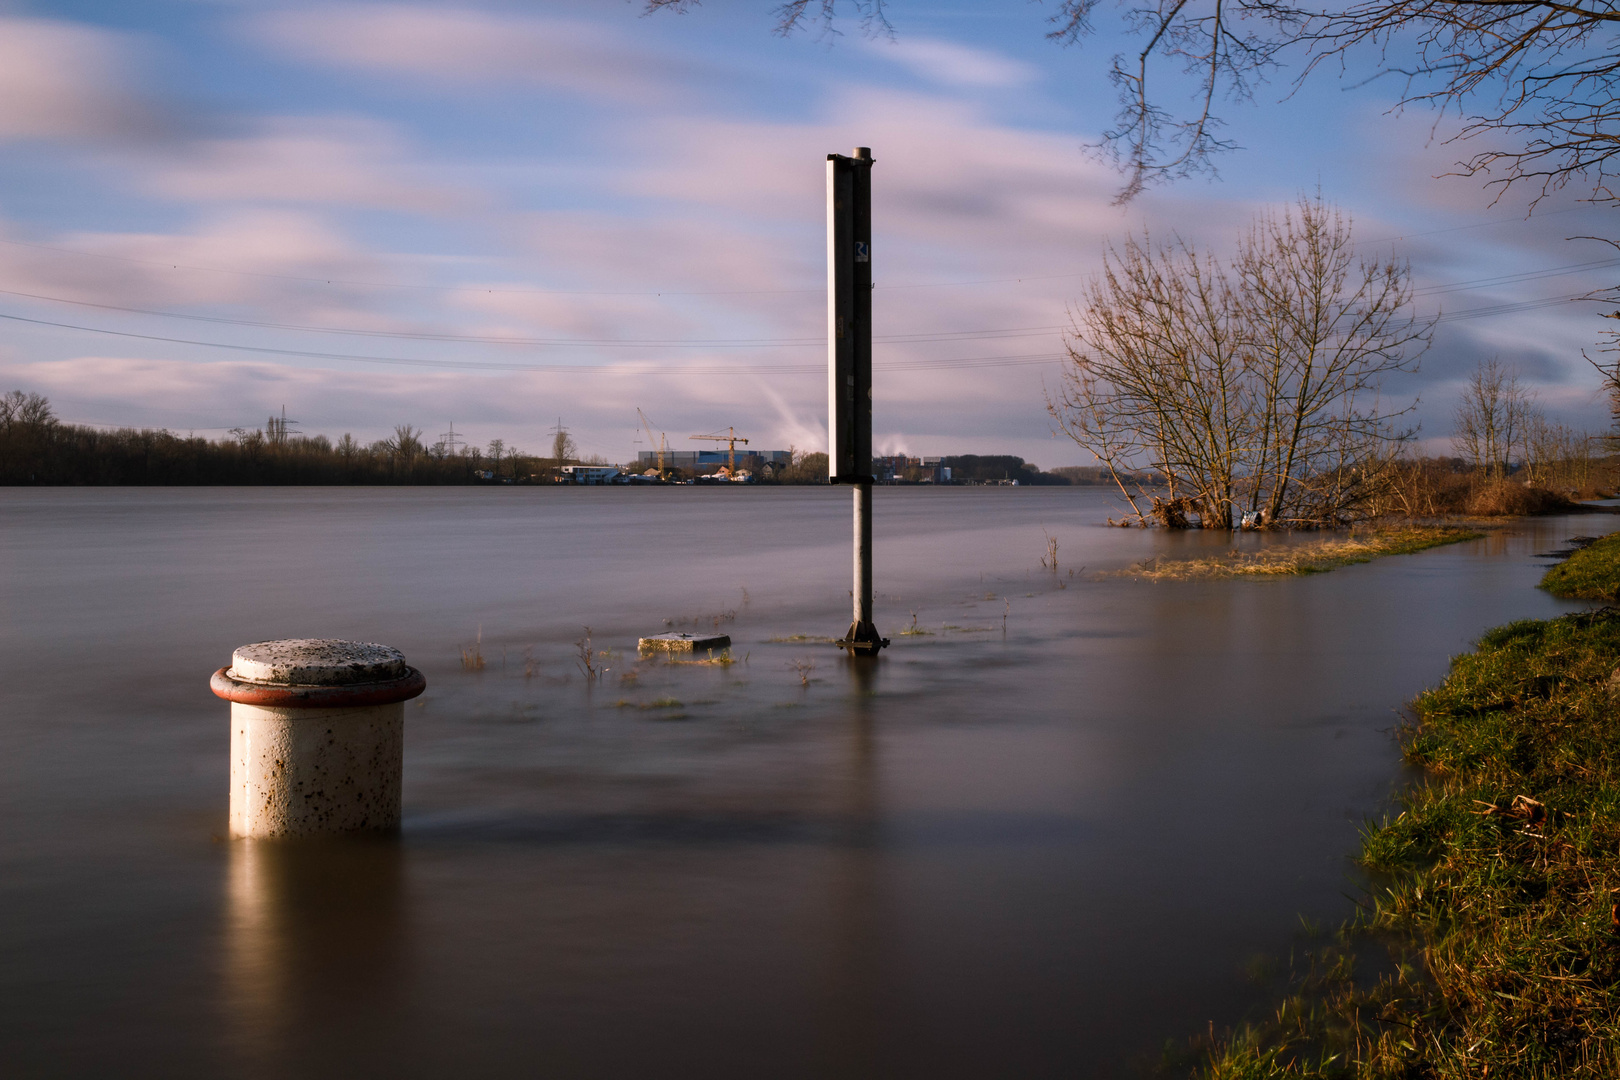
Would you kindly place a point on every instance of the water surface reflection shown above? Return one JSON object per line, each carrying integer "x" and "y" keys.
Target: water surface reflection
{"x": 1039, "y": 839}
{"x": 316, "y": 953}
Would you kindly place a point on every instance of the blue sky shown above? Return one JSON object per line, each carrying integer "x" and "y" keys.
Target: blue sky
{"x": 499, "y": 214}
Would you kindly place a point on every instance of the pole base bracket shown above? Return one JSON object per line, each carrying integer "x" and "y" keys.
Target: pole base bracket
{"x": 863, "y": 639}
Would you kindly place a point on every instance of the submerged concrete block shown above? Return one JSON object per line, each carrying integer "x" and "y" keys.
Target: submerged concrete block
{"x": 683, "y": 642}
{"x": 317, "y": 735}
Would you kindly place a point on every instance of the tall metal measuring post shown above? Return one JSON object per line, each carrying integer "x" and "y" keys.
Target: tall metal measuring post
{"x": 849, "y": 369}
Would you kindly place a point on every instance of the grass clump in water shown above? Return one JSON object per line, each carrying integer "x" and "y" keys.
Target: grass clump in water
{"x": 1590, "y": 573}
{"x": 1316, "y": 557}
{"x": 723, "y": 659}
{"x": 1499, "y": 883}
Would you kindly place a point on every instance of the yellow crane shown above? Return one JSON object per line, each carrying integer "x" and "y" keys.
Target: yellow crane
{"x": 731, "y": 438}
{"x": 660, "y": 444}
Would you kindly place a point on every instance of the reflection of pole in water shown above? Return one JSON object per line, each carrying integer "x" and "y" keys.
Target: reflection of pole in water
{"x": 255, "y": 978}
{"x": 852, "y": 998}
{"x": 314, "y": 956}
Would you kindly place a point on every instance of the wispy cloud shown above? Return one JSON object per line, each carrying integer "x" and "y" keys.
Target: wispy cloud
{"x": 348, "y": 161}
{"x": 270, "y": 263}
{"x": 947, "y": 63}
{"x": 66, "y": 81}
{"x": 467, "y": 47}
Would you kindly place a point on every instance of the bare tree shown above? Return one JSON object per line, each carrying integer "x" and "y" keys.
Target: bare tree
{"x": 1556, "y": 456}
{"x": 1254, "y": 388}
{"x": 406, "y": 443}
{"x": 28, "y": 410}
{"x": 563, "y": 447}
{"x": 1492, "y": 419}
{"x": 1540, "y": 78}
{"x": 794, "y": 15}
{"x": 1323, "y": 330}
{"x": 1156, "y": 367}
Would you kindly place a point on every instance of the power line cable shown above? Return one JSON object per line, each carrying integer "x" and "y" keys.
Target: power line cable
{"x": 617, "y": 369}
{"x": 316, "y": 280}
{"x": 485, "y": 339}
{"x": 711, "y": 343}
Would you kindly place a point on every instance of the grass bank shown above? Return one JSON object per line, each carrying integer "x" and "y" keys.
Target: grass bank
{"x": 1315, "y": 557}
{"x": 1498, "y": 881}
{"x": 1592, "y": 571}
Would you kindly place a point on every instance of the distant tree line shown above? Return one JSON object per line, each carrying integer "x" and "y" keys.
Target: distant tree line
{"x": 36, "y": 448}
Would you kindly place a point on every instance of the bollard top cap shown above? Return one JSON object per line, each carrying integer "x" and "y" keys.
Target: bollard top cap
{"x": 316, "y": 662}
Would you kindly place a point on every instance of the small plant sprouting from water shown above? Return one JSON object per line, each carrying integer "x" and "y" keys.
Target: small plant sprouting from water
{"x": 1049, "y": 561}
{"x": 1004, "y": 613}
{"x": 531, "y": 666}
{"x": 473, "y": 659}
{"x": 585, "y": 657}
{"x": 914, "y": 629}
{"x": 803, "y": 668}
{"x": 746, "y": 600}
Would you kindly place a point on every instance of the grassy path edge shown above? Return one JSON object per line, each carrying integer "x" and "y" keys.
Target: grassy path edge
{"x": 1591, "y": 572}
{"x": 1494, "y": 904}
{"x": 1314, "y": 557}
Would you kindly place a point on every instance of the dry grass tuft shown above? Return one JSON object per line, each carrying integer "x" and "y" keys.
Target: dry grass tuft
{"x": 1505, "y": 498}
{"x": 723, "y": 659}
{"x": 473, "y": 659}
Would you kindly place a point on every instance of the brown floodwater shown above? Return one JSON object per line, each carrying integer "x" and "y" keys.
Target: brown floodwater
{"x": 1046, "y": 835}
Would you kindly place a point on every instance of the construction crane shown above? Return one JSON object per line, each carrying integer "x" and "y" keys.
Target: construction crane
{"x": 731, "y": 438}
{"x": 660, "y": 444}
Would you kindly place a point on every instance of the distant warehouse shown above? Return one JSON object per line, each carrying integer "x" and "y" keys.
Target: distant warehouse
{"x": 700, "y": 461}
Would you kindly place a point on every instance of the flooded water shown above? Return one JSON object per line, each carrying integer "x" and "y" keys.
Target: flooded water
{"x": 1043, "y": 836}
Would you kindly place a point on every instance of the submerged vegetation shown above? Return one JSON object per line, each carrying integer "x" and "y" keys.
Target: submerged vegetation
{"x": 1314, "y": 557}
{"x": 1592, "y": 572}
{"x": 1498, "y": 884}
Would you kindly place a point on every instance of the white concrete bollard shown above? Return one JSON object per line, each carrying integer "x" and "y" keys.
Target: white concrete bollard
{"x": 317, "y": 735}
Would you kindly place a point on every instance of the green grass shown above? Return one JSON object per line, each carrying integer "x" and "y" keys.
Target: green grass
{"x": 1591, "y": 573}
{"x": 1498, "y": 881}
{"x": 1315, "y": 557}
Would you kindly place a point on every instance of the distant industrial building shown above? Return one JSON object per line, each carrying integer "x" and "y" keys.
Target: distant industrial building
{"x": 590, "y": 474}
{"x": 708, "y": 460}
{"x": 900, "y": 469}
